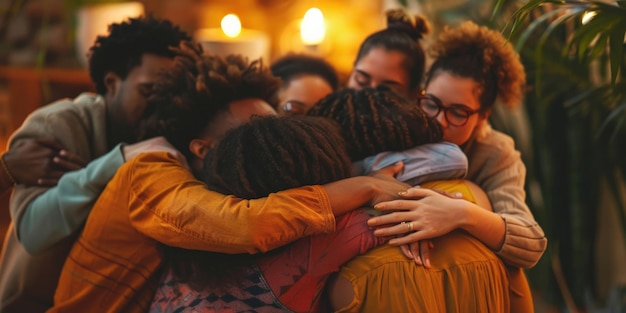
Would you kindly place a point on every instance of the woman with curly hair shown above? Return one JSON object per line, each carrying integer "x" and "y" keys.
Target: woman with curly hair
{"x": 262, "y": 157}
{"x": 473, "y": 66}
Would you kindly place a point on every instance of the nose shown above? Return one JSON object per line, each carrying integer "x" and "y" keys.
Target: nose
{"x": 441, "y": 118}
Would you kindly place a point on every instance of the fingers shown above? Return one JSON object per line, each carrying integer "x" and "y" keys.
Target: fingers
{"x": 47, "y": 182}
{"x": 391, "y": 170}
{"x": 406, "y": 251}
{"x": 424, "y": 252}
{"x": 68, "y": 162}
{"x": 72, "y": 157}
{"x": 49, "y": 143}
{"x": 393, "y": 217}
{"x": 416, "y": 193}
{"x": 415, "y": 251}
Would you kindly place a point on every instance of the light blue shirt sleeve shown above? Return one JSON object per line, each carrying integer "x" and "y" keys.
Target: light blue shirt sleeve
{"x": 61, "y": 210}
{"x": 427, "y": 162}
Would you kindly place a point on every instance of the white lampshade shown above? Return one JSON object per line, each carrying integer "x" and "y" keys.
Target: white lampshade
{"x": 93, "y": 21}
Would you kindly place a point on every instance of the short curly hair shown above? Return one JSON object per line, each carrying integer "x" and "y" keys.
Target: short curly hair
{"x": 121, "y": 50}
{"x": 484, "y": 55}
{"x": 183, "y": 101}
{"x": 403, "y": 34}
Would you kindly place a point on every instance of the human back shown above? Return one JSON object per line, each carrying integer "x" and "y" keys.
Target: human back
{"x": 254, "y": 160}
{"x": 45, "y": 219}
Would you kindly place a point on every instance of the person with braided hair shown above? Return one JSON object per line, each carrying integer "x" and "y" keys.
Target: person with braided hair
{"x": 153, "y": 201}
{"x": 261, "y": 157}
{"x": 393, "y": 56}
{"x": 98, "y": 129}
{"x": 381, "y": 126}
{"x": 473, "y": 66}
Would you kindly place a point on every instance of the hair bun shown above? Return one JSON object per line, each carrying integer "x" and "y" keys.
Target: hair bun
{"x": 416, "y": 26}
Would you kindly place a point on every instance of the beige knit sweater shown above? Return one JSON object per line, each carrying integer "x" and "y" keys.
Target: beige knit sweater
{"x": 497, "y": 167}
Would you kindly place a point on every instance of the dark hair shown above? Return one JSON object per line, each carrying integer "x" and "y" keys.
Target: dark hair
{"x": 402, "y": 34}
{"x": 483, "y": 55}
{"x": 266, "y": 155}
{"x": 184, "y": 100}
{"x": 121, "y": 50}
{"x": 292, "y": 66}
{"x": 377, "y": 120}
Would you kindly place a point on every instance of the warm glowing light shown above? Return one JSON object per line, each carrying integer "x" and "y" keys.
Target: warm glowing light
{"x": 231, "y": 26}
{"x": 588, "y": 16}
{"x": 312, "y": 28}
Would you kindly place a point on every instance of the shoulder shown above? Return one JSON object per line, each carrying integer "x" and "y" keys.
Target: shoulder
{"x": 490, "y": 144}
{"x": 83, "y": 106}
{"x": 490, "y": 138}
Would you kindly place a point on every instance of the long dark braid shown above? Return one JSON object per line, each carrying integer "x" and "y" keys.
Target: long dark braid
{"x": 377, "y": 120}
{"x": 266, "y": 155}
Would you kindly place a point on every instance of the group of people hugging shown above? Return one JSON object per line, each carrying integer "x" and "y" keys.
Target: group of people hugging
{"x": 192, "y": 182}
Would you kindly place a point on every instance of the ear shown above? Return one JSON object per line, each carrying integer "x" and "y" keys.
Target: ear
{"x": 111, "y": 81}
{"x": 199, "y": 147}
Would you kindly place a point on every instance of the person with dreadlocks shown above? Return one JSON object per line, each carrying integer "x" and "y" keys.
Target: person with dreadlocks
{"x": 261, "y": 157}
{"x": 92, "y": 126}
{"x": 473, "y": 66}
{"x": 380, "y": 125}
{"x": 153, "y": 201}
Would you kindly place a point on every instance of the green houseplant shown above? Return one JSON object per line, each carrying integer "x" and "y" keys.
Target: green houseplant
{"x": 577, "y": 108}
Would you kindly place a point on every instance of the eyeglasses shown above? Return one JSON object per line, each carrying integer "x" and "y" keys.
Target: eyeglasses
{"x": 456, "y": 115}
{"x": 294, "y": 107}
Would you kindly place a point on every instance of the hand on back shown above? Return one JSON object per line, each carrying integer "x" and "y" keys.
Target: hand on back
{"x": 387, "y": 186}
{"x": 41, "y": 162}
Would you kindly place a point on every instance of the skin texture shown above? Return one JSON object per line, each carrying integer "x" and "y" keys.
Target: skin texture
{"x": 239, "y": 112}
{"x": 40, "y": 161}
{"x": 302, "y": 93}
{"x": 126, "y": 101}
{"x": 380, "y": 67}
{"x": 455, "y": 90}
{"x": 436, "y": 214}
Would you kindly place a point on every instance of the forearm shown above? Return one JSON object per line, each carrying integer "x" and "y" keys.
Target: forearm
{"x": 169, "y": 205}
{"x": 351, "y": 193}
{"x": 61, "y": 210}
{"x": 486, "y": 226}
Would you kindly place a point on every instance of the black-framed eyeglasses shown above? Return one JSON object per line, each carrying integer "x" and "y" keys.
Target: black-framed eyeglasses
{"x": 456, "y": 115}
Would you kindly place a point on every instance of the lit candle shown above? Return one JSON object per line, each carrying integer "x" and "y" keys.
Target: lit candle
{"x": 232, "y": 39}
{"x": 312, "y": 28}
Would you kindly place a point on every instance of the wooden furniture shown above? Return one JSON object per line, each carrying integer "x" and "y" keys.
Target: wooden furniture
{"x": 30, "y": 88}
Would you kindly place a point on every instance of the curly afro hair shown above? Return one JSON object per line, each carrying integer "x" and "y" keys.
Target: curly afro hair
{"x": 121, "y": 50}
{"x": 183, "y": 101}
{"x": 484, "y": 55}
